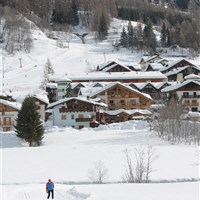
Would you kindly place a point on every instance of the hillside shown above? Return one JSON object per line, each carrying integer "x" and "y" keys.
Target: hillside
{"x": 23, "y": 71}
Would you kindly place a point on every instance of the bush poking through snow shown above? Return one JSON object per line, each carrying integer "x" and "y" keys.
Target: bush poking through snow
{"x": 99, "y": 173}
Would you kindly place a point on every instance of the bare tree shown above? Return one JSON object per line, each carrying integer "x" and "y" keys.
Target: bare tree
{"x": 129, "y": 175}
{"x": 48, "y": 69}
{"x": 99, "y": 173}
{"x": 139, "y": 171}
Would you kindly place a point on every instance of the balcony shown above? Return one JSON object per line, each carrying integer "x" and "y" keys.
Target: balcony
{"x": 191, "y": 104}
{"x": 190, "y": 96}
{"x": 84, "y": 119}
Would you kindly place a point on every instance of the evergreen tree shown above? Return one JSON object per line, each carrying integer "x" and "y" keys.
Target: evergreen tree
{"x": 130, "y": 35}
{"x": 149, "y": 38}
{"x": 74, "y": 19}
{"x": 28, "y": 125}
{"x": 123, "y": 38}
{"x": 183, "y": 4}
{"x": 163, "y": 35}
{"x": 103, "y": 27}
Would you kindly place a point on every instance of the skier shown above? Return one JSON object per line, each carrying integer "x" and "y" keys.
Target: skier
{"x": 50, "y": 189}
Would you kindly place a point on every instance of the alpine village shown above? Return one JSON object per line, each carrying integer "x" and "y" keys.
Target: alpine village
{"x": 165, "y": 76}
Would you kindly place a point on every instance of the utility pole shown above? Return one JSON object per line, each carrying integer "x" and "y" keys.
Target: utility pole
{"x": 20, "y": 62}
{"x": 1, "y": 74}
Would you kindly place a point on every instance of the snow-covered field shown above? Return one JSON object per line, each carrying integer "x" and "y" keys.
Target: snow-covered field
{"x": 67, "y": 154}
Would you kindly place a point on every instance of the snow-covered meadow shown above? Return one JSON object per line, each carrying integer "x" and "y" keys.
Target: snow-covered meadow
{"x": 67, "y": 155}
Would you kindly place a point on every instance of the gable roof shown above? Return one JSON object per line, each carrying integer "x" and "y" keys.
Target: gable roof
{"x": 175, "y": 87}
{"x": 148, "y": 59}
{"x": 14, "y": 105}
{"x": 42, "y": 98}
{"x": 114, "y": 65}
{"x": 173, "y": 63}
{"x": 61, "y": 101}
{"x": 113, "y": 84}
{"x": 180, "y": 69}
{"x": 155, "y": 66}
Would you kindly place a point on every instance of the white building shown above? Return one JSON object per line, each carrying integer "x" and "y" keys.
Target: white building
{"x": 77, "y": 112}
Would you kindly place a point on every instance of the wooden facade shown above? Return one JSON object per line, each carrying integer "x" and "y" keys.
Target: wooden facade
{"x": 8, "y": 115}
{"x": 122, "y": 97}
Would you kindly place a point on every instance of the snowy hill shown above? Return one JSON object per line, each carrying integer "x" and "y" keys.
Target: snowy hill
{"x": 77, "y": 58}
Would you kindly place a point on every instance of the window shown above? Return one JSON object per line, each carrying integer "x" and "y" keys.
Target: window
{"x": 133, "y": 101}
{"x": 80, "y": 116}
{"x": 122, "y": 102}
{"x": 63, "y": 117}
{"x": 112, "y": 102}
{"x": 72, "y": 116}
{"x": 185, "y": 94}
{"x": 187, "y": 102}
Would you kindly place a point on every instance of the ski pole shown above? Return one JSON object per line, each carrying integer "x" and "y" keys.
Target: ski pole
{"x": 60, "y": 193}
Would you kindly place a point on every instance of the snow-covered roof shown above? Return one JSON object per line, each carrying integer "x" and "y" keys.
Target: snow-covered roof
{"x": 114, "y": 65}
{"x": 88, "y": 90}
{"x": 14, "y": 105}
{"x": 61, "y": 101}
{"x": 179, "y": 69}
{"x": 118, "y": 83}
{"x": 178, "y": 85}
{"x": 192, "y": 76}
{"x": 156, "y": 85}
{"x": 52, "y": 85}
{"x": 42, "y": 98}
{"x": 101, "y": 76}
{"x": 129, "y": 112}
{"x": 175, "y": 62}
{"x": 148, "y": 59}
{"x": 108, "y": 63}
{"x": 58, "y": 78}
{"x": 155, "y": 66}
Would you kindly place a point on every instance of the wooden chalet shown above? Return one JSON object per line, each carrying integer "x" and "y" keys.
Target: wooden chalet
{"x": 176, "y": 64}
{"x": 118, "y": 96}
{"x": 113, "y": 67}
{"x": 121, "y": 115}
{"x": 153, "y": 89}
{"x": 188, "y": 92}
{"x": 178, "y": 74}
{"x": 77, "y": 112}
{"x": 8, "y": 114}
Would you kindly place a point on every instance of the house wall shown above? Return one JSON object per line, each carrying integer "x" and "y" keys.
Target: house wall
{"x": 41, "y": 110}
{"x": 179, "y": 77}
{"x": 190, "y": 99}
{"x": 122, "y": 98}
{"x": 7, "y": 118}
{"x": 72, "y": 117}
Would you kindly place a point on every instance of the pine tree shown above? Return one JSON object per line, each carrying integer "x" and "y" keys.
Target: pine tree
{"x": 74, "y": 13}
{"x": 130, "y": 35}
{"x": 149, "y": 38}
{"x": 163, "y": 35}
{"x": 103, "y": 27}
{"x": 123, "y": 38}
{"x": 28, "y": 124}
